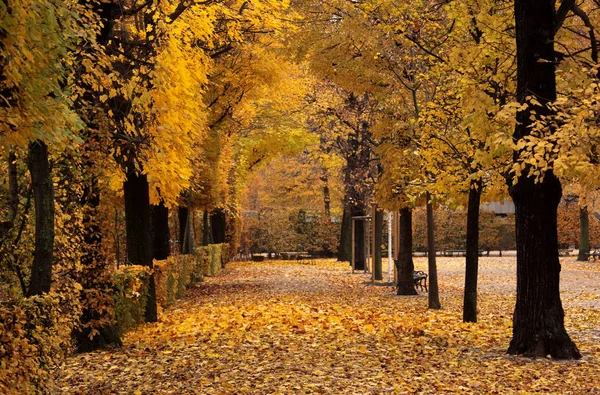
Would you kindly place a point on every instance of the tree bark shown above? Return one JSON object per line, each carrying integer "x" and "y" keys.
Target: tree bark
{"x": 138, "y": 224}
{"x": 405, "y": 265}
{"x": 218, "y": 225}
{"x": 206, "y": 232}
{"x": 377, "y": 261}
{"x": 584, "y": 234}
{"x": 43, "y": 194}
{"x": 326, "y": 197}
{"x": 345, "y": 247}
{"x": 434, "y": 298}
{"x": 538, "y": 320}
{"x": 161, "y": 234}
{"x": 359, "y": 245}
{"x": 13, "y": 187}
{"x": 186, "y": 239}
{"x": 472, "y": 259}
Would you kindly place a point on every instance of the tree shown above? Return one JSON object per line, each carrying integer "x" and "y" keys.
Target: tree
{"x": 538, "y": 323}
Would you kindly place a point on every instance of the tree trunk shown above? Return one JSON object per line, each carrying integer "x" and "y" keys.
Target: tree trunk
{"x": 43, "y": 194}
{"x": 138, "y": 224}
{"x": 186, "y": 238}
{"x": 404, "y": 264}
{"x": 434, "y": 298}
{"x": 345, "y": 247}
{"x": 584, "y": 234}
{"x": 96, "y": 280}
{"x": 359, "y": 245}
{"x": 13, "y": 187}
{"x": 218, "y": 225}
{"x": 378, "y": 240}
{"x": 326, "y": 197}
{"x": 538, "y": 320}
{"x": 206, "y": 232}
{"x": 472, "y": 259}
{"x": 161, "y": 234}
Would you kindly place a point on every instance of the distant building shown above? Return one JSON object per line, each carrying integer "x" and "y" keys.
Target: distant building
{"x": 501, "y": 208}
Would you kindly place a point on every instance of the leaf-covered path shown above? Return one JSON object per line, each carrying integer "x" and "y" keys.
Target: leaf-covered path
{"x": 279, "y": 327}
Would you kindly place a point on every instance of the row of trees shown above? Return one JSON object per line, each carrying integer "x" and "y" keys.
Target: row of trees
{"x": 456, "y": 103}
{"x": 138, "y": 107}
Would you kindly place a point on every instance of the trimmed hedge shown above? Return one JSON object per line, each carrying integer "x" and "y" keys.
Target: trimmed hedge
{"x": 131, "y": 294}
{"x": 172, "y": 277}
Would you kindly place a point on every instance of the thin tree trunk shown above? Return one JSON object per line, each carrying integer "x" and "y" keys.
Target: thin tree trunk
{"x": 139, "y": 232}
{"x": 43, "y": 194}
{"x": 161, "y": 234}
{"x": 377, "y": 261}
{"x": 538, "y": 320}
{"x": 405, "y": 265}
{"x": 434, "y": 298}
{"x": 584, "y": 234}
{"x": 13, "y": 187}
{"x": 326, "y": 197}
{"x": 472, "y": 259}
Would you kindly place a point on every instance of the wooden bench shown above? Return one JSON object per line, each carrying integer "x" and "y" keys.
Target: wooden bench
{"x": 420, "y": 279}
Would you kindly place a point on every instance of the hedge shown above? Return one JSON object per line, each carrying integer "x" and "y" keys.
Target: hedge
{"x": 35, "y": 332}
{"x": 172, "y": 277}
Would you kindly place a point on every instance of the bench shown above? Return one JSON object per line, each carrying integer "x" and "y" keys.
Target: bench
{"x": 564, "y": 252}
{"x": 481, "y": 252}
{"x": 595, "y": 254}
{"x": 420, "y": 279}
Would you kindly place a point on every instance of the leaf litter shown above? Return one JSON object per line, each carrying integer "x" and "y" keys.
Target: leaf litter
{"x": 284, "y": 327}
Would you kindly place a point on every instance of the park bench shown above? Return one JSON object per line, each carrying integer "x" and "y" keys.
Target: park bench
{"x": 420, "y": 279}
{"x": 481, "y": 252}
{"x": 594, "y": 254}
{"x": 564, "y": 252}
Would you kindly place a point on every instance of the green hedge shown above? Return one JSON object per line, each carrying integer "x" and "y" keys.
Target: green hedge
{"x": 131, "y": 294}
{"x": 172, "y": 277}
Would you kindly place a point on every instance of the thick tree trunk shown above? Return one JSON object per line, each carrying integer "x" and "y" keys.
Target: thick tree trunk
{"x": 404, "y": 264}
{"x": 472, "y": 259}
{"x": 434, "y": 297}
{"x": 345, "y": 247}
{"x": 138, "y": 224}
{"x": 218, "y": 225}
{"x": 161, "y": 234}
{"x": 186, "y": 239}
{"x": 538, "y": 320}
{"x": 584, "y": 234}
{"x": 43, "y": 194}
{"x": 378, "y": 233}
{"x": 96, "y": 280}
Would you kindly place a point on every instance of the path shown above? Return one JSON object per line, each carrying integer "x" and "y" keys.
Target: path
{"x": 289, "y": 328}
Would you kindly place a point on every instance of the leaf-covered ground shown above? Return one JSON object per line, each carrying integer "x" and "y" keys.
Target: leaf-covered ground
{"x": 283, "y": 327}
